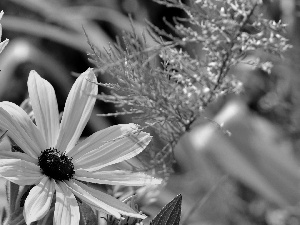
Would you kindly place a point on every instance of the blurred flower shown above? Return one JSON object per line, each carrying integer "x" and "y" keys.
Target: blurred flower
{"x": 148, "y": 194}
{"x": 131, "y": 201}
{"x": 5, "y": 42}
{"x": 144, "y": 196}
{"x": 53, "y": 162}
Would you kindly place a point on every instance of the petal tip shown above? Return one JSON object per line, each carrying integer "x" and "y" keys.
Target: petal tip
{"x": 139, "y": 216}
{"x": 89, "y": 73}
{"x": 132, "y": 128}
{"x": 33, "y": 72}
{"x": 143, "y": 216}
{"x": 156, "y": 181}
{"x": 33, "y": 75}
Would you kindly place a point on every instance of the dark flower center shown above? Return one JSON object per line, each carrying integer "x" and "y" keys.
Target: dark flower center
{"x": 56, "y": 165}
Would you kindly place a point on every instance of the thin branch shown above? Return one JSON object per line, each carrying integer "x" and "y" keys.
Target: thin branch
{"x": 200, "y": 203}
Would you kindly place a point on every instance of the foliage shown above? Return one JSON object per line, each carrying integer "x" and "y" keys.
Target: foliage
{"x": 168, "y": 88}
{"x": 170, "y": 213}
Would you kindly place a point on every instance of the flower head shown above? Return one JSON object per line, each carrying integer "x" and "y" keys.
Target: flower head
{"x": 54, "y": 162}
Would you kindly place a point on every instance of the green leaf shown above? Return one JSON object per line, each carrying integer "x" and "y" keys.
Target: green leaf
{"x": 87, "y": 216}
{"x": 256, "y": 153}
{"x": 170, "y": 213}
{"x": 12, "y": 192}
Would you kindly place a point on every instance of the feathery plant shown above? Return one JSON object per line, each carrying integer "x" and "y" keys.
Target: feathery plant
{"x": 167, "y": 87}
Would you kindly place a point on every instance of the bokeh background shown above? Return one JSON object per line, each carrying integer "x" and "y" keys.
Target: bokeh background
{"x": 249, "y": 177}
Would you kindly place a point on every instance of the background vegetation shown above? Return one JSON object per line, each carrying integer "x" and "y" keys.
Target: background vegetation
{"x": 238, "y": 163}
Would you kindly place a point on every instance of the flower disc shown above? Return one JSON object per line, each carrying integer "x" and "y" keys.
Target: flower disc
{"x": 56, "y": 165}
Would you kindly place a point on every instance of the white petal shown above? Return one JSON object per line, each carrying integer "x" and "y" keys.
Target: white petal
{"x": 100, "y": 138}
{"x": 18, "y": 155}
{"x": 3, "y": 44}
{"x": 20, "y": 171}
{"x": 102, "y": 201}
{"x": 78, "y": 108}
{"x": 21, "y": 129}
{"x": 117, "y": 177}
{"x": 1, "y": 14}
{"x": 113, "y": 151}
{"x": 44, "y": 104}
{"x": 38, "y": 201}
{"x": 85, "y": 196}
{"x": 66, "y": 207}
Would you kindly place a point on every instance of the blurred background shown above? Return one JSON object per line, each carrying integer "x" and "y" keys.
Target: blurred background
{"x": 249, "y": 177}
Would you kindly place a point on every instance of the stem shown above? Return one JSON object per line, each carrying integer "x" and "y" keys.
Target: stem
{"x": 13, "y": 190}
{"x": 204, "y": 199}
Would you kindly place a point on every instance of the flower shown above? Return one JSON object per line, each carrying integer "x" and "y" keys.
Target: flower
{"x": 53, "y": 162}
{"x": 5, "y": 42}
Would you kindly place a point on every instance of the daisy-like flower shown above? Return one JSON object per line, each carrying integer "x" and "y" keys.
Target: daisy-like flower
{"x": 54, "y": 163}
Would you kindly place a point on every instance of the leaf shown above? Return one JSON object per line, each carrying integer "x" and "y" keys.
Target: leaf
{"x": 170, "y": 213}
{"x": 12, "y": 192}
{"x": 257, "y": 153}
{"x": 87, "y": 216}
{"x": 3, "y": 215}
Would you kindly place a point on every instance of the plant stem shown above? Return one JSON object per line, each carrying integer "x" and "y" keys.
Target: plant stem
{"x": 204, "y": 199}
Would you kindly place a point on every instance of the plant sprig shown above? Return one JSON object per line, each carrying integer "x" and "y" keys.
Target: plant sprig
{"x": 168, "y": 88}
